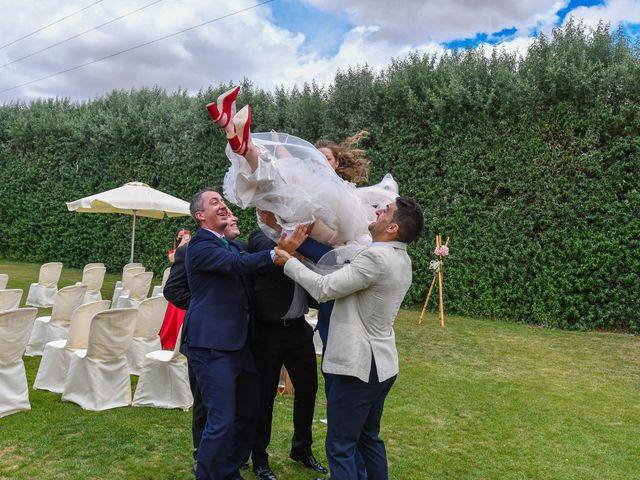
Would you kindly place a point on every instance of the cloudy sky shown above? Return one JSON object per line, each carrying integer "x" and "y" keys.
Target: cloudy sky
{"x": 89, "y": 47}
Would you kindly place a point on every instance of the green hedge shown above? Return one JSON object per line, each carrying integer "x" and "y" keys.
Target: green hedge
{"x": 530, "y": 165}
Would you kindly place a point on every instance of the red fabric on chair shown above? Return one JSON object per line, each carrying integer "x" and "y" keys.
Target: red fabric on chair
{"x": 173, "y": 319}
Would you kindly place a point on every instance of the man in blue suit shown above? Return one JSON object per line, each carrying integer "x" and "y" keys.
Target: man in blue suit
{"x": 217, "y": 330}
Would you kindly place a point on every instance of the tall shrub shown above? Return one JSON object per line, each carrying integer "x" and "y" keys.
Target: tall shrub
{"x": 530, "y": 165}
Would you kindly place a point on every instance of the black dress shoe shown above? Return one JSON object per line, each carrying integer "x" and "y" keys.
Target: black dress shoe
{"x": 310, "y": 462}
{"x": 263, "y": 472}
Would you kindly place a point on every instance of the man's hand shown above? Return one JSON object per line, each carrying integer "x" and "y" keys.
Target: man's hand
{"x": 290, "y": 243}
{"x": 269, "y": 219}
{"x": 282, "y": 256}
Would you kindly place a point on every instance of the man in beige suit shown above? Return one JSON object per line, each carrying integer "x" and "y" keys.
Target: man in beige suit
{"x": 361, "y": 350}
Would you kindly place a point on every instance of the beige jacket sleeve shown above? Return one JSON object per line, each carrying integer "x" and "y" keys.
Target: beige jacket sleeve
{"x": 351, "y": 278}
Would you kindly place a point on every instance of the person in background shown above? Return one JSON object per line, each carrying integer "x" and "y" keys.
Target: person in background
{"x": 182, "y": 238}
{"x": 282, "y": 337}
{"x": 174, "y": 315}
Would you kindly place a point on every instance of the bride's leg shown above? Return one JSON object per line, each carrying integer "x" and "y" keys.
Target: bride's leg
{"x": 242, "y": 143}
{"x": 223, "y": 112}
{"x": 251, "y": 155}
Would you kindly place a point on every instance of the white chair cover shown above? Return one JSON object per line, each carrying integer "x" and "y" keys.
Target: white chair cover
{"x": 128, "y": 272}
{"x": 145, "y": 336}
{"x": 93, "y": 278}
{"x": 312, "y": 319}
{"x": 43, "y": 293}
{"x": 55, "y": 326}
{"x": 15, "y": 326}
{"x": 57, "y": 354}
{"x": 127, "y": 267}
{"x": 137, "y": 291}
{"x": 4, "y": 279}
{"x": 131, "y": 265}
{"x": 164, "y": 380}
{"x": 157, "y": 290}
{"x": 98, "y": 378}
{"x": 92, "y": 265}
{"x": 10, "y": 299}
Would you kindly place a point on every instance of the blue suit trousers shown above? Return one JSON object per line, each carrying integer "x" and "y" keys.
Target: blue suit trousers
{"x": 228, "y": 382}
{"x": 354, "y": 410}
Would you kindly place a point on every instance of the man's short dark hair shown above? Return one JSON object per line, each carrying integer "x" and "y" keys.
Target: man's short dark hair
{"x": 196, "y": 203}
{"x": 409, "y": 218}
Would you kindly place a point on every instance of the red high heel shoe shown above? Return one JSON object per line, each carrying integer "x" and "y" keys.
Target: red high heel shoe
{"x": 224, "y": 105}
{"x": 234, "y": 143}
{"x": 242, "y": 122}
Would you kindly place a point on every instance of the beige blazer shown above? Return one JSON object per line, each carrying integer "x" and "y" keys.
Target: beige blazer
{"x": 368, "y": 294}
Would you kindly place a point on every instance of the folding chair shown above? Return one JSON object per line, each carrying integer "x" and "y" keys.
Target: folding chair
{"x": 15, "y": 326}
{"x": 145, "y": 336}
{"x": 137, "y": 291}
{"x": 57, "y": 354}
{"x": 164, "y": 380}
{"x": 92, "y": 265}
{"x": 157, "y": 289}
{"x": 93, "y": 278}
{"x": 128, "y": 272}
{"x": 10, "y": 299}
{"x": 98, "y": 378}
{"x": 56, "y": 325}
{"x": 43, "y": 293}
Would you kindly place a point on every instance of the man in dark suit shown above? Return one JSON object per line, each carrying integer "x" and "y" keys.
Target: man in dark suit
{"x": 282, "y": 336}
{"x": 176, "y": 291}
{"x": 314, "y": 251}
{"x": 217, "y": 330}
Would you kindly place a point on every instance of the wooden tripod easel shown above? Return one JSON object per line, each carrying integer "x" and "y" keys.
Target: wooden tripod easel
{"x": 437, "y": 274}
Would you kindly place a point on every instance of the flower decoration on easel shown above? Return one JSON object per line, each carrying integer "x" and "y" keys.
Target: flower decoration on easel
{"x": 437, "y": 267}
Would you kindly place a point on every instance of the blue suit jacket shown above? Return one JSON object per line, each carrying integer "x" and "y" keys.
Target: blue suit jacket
{"x": 313, "y": 250}
{"x": 219, "y": 310}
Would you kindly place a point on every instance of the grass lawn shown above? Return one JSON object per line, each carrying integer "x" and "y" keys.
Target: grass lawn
{"x": 478, "y": 399}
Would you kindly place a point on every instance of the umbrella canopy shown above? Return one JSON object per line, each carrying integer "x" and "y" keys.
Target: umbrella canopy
{"x": 133, "y": 198}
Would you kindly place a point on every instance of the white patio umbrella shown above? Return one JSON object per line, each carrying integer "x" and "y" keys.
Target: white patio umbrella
{"x": 133, "y": 198}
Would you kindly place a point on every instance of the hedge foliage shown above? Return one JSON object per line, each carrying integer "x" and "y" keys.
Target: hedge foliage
{"x": 530, "y": 165}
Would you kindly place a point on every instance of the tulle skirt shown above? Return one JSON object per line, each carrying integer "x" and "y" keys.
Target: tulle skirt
{"x": 295, "y": 182}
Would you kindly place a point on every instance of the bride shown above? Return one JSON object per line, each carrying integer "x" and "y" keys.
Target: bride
{"x": 298, "y": 182}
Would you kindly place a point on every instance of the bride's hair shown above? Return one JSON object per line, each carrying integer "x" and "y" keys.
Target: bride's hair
{"x": 352, "y": 164}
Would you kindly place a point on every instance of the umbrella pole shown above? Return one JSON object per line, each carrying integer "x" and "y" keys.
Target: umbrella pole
{"x": 133, "y": 236}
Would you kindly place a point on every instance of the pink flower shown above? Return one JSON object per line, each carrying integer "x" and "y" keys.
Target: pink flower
{"x": 442, "y": 251}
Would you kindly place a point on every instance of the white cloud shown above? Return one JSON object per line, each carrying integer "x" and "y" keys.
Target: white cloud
{"x": 250, "y": 44}
{"x": 243, "y": 45}
{"x": 416, "y": 21}
{"x": 359, "y": 47}
{"x": 518, "y": 45}
{"x": 613, "y": 12}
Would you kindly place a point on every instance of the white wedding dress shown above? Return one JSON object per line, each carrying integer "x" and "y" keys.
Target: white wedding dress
{"x": 295, "y": 182}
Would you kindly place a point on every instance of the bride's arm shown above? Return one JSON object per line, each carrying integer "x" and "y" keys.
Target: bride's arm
{"x": 281, "y": 150}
